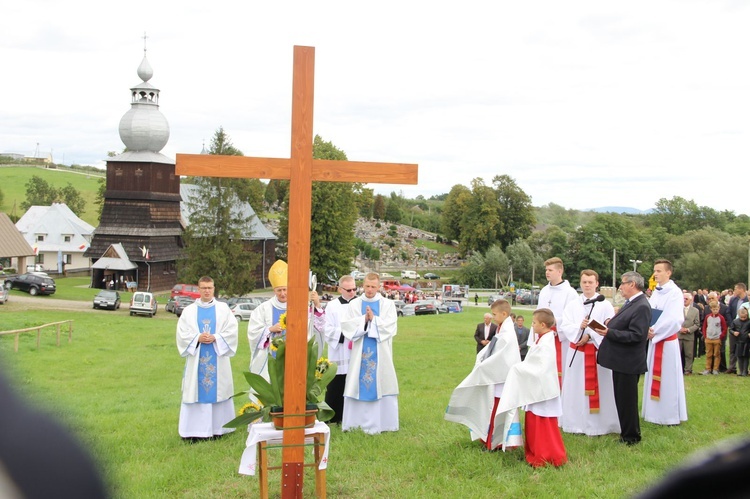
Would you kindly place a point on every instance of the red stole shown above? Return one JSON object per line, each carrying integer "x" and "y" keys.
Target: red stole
{"x": 658, "y": 357}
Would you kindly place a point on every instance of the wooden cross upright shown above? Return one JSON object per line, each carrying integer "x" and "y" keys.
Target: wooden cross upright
{"x": 301, "y": 169}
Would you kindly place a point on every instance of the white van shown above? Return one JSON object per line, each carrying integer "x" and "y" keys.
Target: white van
{"x": 409, "y": 274}
{"x": 143, "y": 303}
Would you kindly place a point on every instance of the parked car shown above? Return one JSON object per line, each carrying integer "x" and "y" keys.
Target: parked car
{"x": 169, "y": 307}
{"x": 32, "y": 283}
{"x": 430, "y": 275}
{"x": 180, "y": 303}
{"x": 407, "y": 309}
{"x": 107, "y": 299}
{"x": 358, "y": 276}
{"x": 409, "y": 274}
{"x": 492, "y": 298}
{"x": 245, "y": 299}
{"x": 528, "y": 298}
{"x": 190, "y": 290}
{"x": 4, "y": 295}
{"x": 399, "y": 307}
{"x": 386, "y": 275}
{"x": 423, "y": 307}
{"x": 453, "y": 307}
{"x": 143, "y": 303}
{"x": 242, "y": 311}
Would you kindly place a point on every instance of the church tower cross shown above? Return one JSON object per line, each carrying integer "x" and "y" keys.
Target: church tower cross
{"x": 301, "y": 170}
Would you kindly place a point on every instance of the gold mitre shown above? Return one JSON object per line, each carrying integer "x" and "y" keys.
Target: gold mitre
{"x": 278, "y": 274}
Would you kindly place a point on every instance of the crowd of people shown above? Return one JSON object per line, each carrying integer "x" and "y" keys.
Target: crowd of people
{"x": 597, "y": 354}
{"x": 576, "y": 370}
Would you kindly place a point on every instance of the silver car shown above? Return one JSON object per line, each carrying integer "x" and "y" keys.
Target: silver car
{"x": 242, "y": 311}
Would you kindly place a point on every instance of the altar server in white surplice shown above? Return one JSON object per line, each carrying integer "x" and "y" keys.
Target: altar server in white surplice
{"x": 664, "y": 389}
{"x": 474, "y": 402}
{"x": 207, "y": 337}
{"x": 560, "y": 297}
{"x": 371, "y": 392}
{"x": 588, "y": 397}
{"x": 339, "y": 348}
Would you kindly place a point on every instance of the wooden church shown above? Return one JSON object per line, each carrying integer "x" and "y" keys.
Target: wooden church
{"x": 142, "y": 198}
{"x": 142, "y": 202}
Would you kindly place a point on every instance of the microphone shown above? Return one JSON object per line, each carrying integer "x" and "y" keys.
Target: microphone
{"x": 594, "y": 300}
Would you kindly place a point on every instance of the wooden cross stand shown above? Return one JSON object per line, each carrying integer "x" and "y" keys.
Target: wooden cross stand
{"x": 301, "y": 169}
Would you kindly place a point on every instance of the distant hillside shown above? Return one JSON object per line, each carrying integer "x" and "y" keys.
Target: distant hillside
{"x": 621, "y": 210}
{"x": 13, "y": 181}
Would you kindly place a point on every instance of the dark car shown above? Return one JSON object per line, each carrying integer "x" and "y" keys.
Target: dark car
{"x": 423, "y": 307}
{"x": 430, "y": 275}
{"x": 32, "y": 283}
{"x": 107, "y": 299}
{"x": 180, "y": 303}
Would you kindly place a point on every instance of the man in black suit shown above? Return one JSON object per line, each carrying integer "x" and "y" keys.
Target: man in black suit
{"x": 623, "y": 350}
{"x": 485, "y": 331}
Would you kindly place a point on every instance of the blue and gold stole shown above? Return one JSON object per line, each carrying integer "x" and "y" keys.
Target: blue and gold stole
{"x": 207, "y": 366}
{"x": 368, "y": 370}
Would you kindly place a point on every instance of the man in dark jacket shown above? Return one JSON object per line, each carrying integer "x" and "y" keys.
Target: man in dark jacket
{"x": 623, "y": 350}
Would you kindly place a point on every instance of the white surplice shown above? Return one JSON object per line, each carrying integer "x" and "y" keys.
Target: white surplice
{"x": 567, "y": 308}
{"x": 576, "y": 415}
{"x": 473, "y": 399}
{"x": 671, "y": 408}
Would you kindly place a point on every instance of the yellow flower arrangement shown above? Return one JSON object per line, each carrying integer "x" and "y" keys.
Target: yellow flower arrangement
{"x": 321, "y": 367}
{"x": 250, "y": 406}
{"x": 282, "y": 321}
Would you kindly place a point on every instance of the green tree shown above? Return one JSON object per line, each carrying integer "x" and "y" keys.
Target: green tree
{"x": 217, "y": 227}
{"x": 516, "y": 218}
{"x": 526, "y": 264}
{"x": 214, "y": 239}
{"x": 72, "y": 198}
{"x": 270, "y": 196}
{"x": 378, "y": 207}
{"x": 479, "y": 222}
{"x": 99, "y": 200}
{"x": 366, "y": 202}
{"x": 40, "y": 193}
{"x": 708, "y": 258}
{"x": 392, "y": 211}
{"x": 454, "y": 210}
{"x": 591, "y": 247}
{"x": 334, "y": 212}
{"x": 496, "y": 265}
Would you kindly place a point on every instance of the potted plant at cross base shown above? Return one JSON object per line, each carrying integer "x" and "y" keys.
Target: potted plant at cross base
{"x": 320, "y": 372}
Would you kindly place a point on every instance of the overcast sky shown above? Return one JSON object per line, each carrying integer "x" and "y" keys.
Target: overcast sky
{"x": 583, "y": 103}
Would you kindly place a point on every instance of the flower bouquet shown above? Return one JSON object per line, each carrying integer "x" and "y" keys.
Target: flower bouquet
{"x": 320, "y": 372}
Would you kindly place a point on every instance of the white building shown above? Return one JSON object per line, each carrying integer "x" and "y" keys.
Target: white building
{"x": 57, "y": 236}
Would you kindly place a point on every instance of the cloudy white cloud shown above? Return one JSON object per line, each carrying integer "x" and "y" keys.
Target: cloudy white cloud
{"x": 584, "y": 103}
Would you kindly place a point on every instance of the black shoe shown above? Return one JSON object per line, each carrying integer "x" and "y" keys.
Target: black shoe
{"x": 629, "y": 441}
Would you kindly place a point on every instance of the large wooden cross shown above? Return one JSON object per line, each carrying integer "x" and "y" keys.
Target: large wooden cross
{"x": 301, "y": 169}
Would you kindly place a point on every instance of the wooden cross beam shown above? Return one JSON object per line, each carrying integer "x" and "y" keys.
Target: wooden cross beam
{"x": 301, "y": 169}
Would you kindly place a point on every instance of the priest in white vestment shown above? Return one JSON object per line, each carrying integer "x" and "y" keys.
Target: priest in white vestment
{"x": 267, "y": 321}
{"x": 207, "y": 337}
{"x": 664, "y": 388}
{"x": 371, "y": 392}
{"x": 588, "y": 398}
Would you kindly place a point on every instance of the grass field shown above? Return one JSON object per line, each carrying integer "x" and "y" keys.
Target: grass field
{"x": 117, "y": 385}
{"x": 14, "y": 180}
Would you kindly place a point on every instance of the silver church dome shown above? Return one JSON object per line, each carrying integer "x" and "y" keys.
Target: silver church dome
{"x": 143, "y": 127}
